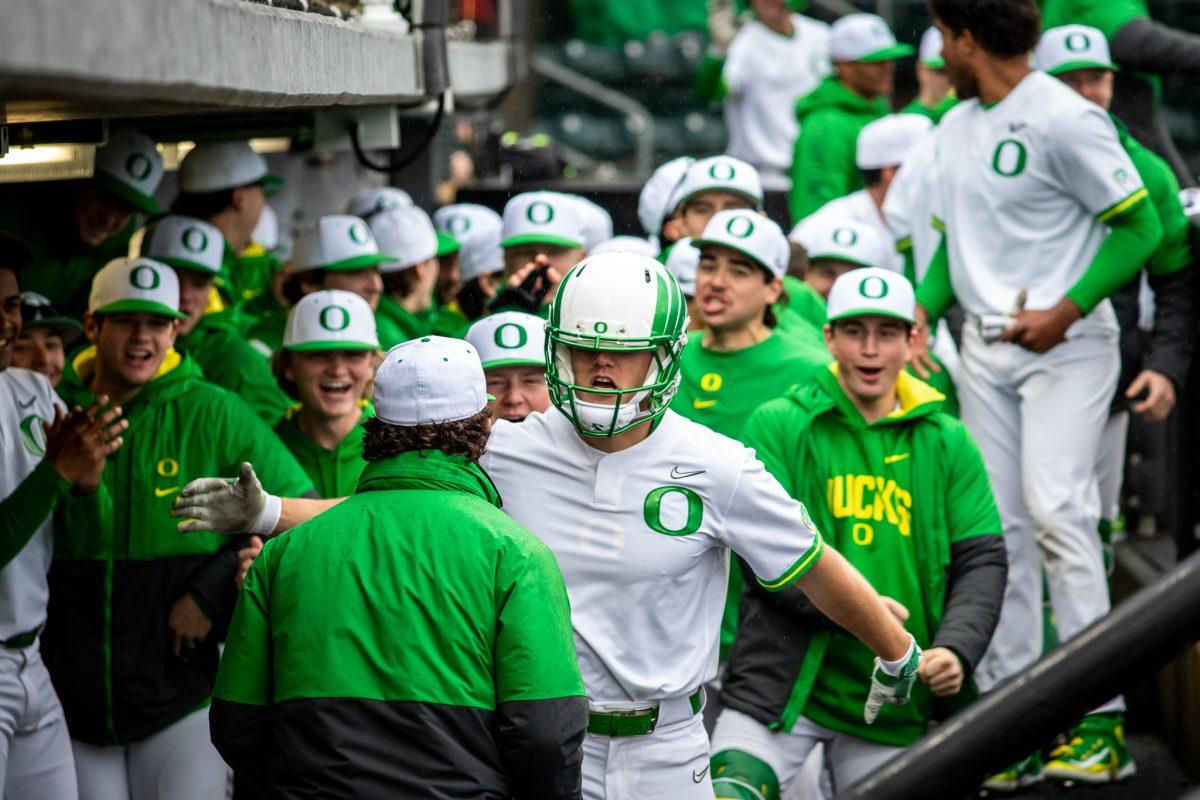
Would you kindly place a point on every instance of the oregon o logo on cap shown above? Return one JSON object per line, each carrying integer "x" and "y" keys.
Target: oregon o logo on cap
{"x": 1009, "y": 158}
{"x": 358, "y": 234}
{"x": 726, "y": 170}
{"x": 521, "y": 336}
{"x": 539, "y": 213}
{"x": 1077, "y": 42}
{"x": 145, "y": 277}
{"x": 138, "y": 166}
{"x": 739, "y": 227}
{"x": 334, "y": 318}
{"x": 195, "y": 240}
{"x": 458, "y": 223}
{"x": 845, "y": 237}
{"x": 873, "y": 287}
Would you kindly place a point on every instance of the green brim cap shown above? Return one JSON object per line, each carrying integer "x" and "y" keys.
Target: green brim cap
{"x": 270, "y": 184}
{"x": 514, "y": 362}
{"x": 1070, "y": 66}
{"x": 183, "y": 263}
{"x": 898, "y": 50}
{"x": 142, "y": 306}
{"x": 126, "y": 193}
{"x": 700, "y": 242}
{"x": 364, "y": 261}
{"x": 937, "y": 62}
{"x": 535, "y": 238}
{"x": 446, "y": 244}
{"x": 870, "y": 312}
{"x": 756, "y": 202}
{"x": 838, "y": 257}
{"x": 310, "y": 347}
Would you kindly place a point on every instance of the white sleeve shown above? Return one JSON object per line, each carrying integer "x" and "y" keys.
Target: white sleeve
{"x": 769, "y": 529}
{"x": 1087, "y": 156}
{"x": 737, "y": 69}
{"x": 896, "y": 207}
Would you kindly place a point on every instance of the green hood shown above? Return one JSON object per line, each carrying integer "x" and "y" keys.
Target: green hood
{"x": 831, "y": 94}
{"x": 428, "y": 469}
{"x": 174, "y": 376}
{"x": 823, "y": 394}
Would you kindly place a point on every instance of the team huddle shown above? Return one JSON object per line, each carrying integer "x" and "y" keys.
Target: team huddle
{"x": 491, "y": 505}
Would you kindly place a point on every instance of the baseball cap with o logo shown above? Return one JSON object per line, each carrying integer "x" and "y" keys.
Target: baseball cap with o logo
{"x": 428, "y": 381}
{"x": 546, "y": 218}
{"x": 128, "y": 285}
{"x": 130, "y": 168}
{"x": 331, "y": 319}
{"x": 509, "y": 339}
{"x": 216, "y": 166}
{"x": 1071, "y": 47}
{"x": 406, "y": 236}
{"x": 184, "y": 243}
{"x": 464, "y": 220}
{"x": 847, "y": 239}
{"x": 719, "y": 173}
{"x": 864, "y": 37}
{"x": 872, "y": 291}
{"x": 749, "y": 233}
{"x": 338, "y": 242}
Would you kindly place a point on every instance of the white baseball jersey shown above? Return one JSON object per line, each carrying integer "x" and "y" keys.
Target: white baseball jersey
{"x": 642, "y": 537}
{"x": 857, "y": 206}
{"x": 766, "y": 74}
{"x": 1025, "y": 188}
{"x": 908, "y": 205}
{"x": 26, "y": 399}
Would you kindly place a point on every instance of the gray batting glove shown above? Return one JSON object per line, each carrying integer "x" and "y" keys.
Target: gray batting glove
{"x": 222, "y": 506}
{"x": 892, "y": 682}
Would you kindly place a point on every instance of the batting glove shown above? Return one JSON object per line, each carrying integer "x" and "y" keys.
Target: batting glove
{"x": 221, "y": 506}
{"x": 892, "y": 681}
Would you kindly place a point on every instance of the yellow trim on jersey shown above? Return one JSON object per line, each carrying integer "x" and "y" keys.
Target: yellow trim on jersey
{"x": 796, "y": 571}
{"x": 1123, "y": 206}
{"x": 937, "y": 224}
{"x": 904, "y": 244}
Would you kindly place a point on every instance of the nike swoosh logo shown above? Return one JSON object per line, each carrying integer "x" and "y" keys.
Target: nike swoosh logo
{"x": 676, "y": 473}
{"x": 895, "y": 458}
{"x": 27, "y": 403}
{"x": 698, "y": 776}
{"x": 164, "y": 492}
{"x": 703, "y": 403}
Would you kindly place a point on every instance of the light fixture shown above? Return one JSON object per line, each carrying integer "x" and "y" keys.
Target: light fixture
{"x": 46, "y": 162}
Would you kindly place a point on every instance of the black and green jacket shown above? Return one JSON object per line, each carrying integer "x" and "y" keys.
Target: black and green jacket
{"x": 120, "y": 564}
{"x": 412, "y": 641}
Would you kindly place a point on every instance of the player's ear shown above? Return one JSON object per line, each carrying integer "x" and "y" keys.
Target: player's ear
{"x": 91, "y": 326}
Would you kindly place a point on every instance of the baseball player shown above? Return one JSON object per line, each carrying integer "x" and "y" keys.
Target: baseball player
{"x": 661, "y": 221}
{"x": 1032, "y": 172}
{"x": 512, "y": 347}
{"x": 720, "y": 183}
{"x": 500, "y": 713}
{"x": 75, "y": 227}
{"x": 327, "y": 361}
{"x": 864, "y": 52}
{"x": 641, "y": 508}
{"x": 194, "y": 249}
{"x": 934, "y": 97}
{"x": 44, "y": 454}
{"x": 45, "y": 335}
{"x": 407, "y": 307}
{"x": 135, "y": 608}
{"x": 480, "y": 263}
{"x": 902, "y": 490}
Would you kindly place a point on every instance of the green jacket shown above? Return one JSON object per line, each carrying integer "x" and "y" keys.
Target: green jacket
{"x": 1174, "y": 250}
{"x": 907, "y": 501}
{"x": 397, "y": 324}
{"x": 120, "y": 564}
{"x": 263, "y": 322}
{"x": 334, "y": 472}
{"x": 936, "y": 113}
{"x": 413, "y": 631}
{"x": 823, "y": 166}
{"x": 228, "y": 360}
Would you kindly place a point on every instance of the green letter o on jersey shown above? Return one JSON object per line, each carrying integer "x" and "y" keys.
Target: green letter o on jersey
{"x": 1009, "y": 158}
{"x": 652, "y": 510}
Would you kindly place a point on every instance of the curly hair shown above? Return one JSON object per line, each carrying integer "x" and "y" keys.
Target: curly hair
{"x": 464, "y": 437}
{"x": 1004, "y": 28}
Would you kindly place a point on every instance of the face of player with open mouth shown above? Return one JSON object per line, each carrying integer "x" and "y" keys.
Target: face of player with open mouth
{"x": 331, "y": 383}
{"x": 870, "y": 352}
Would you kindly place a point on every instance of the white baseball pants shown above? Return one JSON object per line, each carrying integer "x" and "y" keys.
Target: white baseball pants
{"x": 1038, "y": 419}
{"x": 1110, "y": 467}
{"x": 35, "y": 748}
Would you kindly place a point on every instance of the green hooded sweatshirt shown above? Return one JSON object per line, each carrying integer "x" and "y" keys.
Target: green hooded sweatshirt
{"x": 229, "y": 361}
{"x": 334, "y": 472}
{"x": 120, "y": 564}
{"x": 823, "y": 166}
{"x": 397, "y": 324}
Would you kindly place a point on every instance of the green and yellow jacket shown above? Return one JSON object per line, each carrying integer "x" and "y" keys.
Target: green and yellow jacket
{"x": 413, "y": 631}
{"x": 120, "y": 564}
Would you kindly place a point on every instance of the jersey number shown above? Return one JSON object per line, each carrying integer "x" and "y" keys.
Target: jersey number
{"x": 652, "y": 510}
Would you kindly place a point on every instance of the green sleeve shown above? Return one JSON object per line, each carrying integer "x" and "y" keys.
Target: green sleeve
{"x": 1133, "y": 236}
{"x": 29, "y": 505}
{"x": 709, "y": 86}
{"x": 822, "y": 164}
{"x": 83, "y": 525}
{"x": 936, "y": 293}
{"x": 535, "y": 645}
{"x": 905, "y": 248}
{"x": 255, "y": 442}
{"x": 970, "y": 506}
{"x": 766, "y": 432}
{"x": 245, "y": 674}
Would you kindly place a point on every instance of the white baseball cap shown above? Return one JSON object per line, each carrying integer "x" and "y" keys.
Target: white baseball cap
{"x": 184, "y": 243}
{"x": 214, "y": 166}
{"x": 337, "y": 242}
{"x": 719, "y": 173}
{"x": 135, "y": 284}
{"x": 654, "y": 201}
{"x": 874, "y": 292}
{"x": 1069, "y": 47}
{"x": 683, "y": 260}
{"x": 430, "y": 380}
{"x": 404, "y": 235}
{"x": 464, "y": 220}
{"x": 887, "y": 141}
{"x": 929, "y": 52}
{"x": 381, "y": 198}
{"x": 864, "y": 37}
{"x": 847, "y": 239}
{"x": 130, "y": 167}
{"x": 750, "y": 233}
{"x": 595, "y": 222}
{"x": 626, "y": 244}
{"x": 331, "y": 319}
{"x": 480, "y": 255}
{"x": 547, "y": 218}
{"x": 509, "y": 339}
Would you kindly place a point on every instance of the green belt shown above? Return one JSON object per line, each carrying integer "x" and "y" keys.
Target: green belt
{"x": 636, "y": 721}
{"x": 22, "y": 640}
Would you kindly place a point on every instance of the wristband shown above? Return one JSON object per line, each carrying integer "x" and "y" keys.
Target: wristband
{"x": 893, "y": 668}
{"x": 268, "y": 518}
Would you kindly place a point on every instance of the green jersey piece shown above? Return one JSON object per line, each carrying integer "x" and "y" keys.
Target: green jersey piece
{"x": 936, "y": 112}
{"x": 805, "y": 301}
{"x": 1174, "y": 250}
{"x": 397, "y": 324}
{"x": 896, "y": 494}
{"x": 823, "y": 166}
{"x": 413, "y": 613}
{"x": 229, "y": 361}
{"x": 334, "y": 472}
